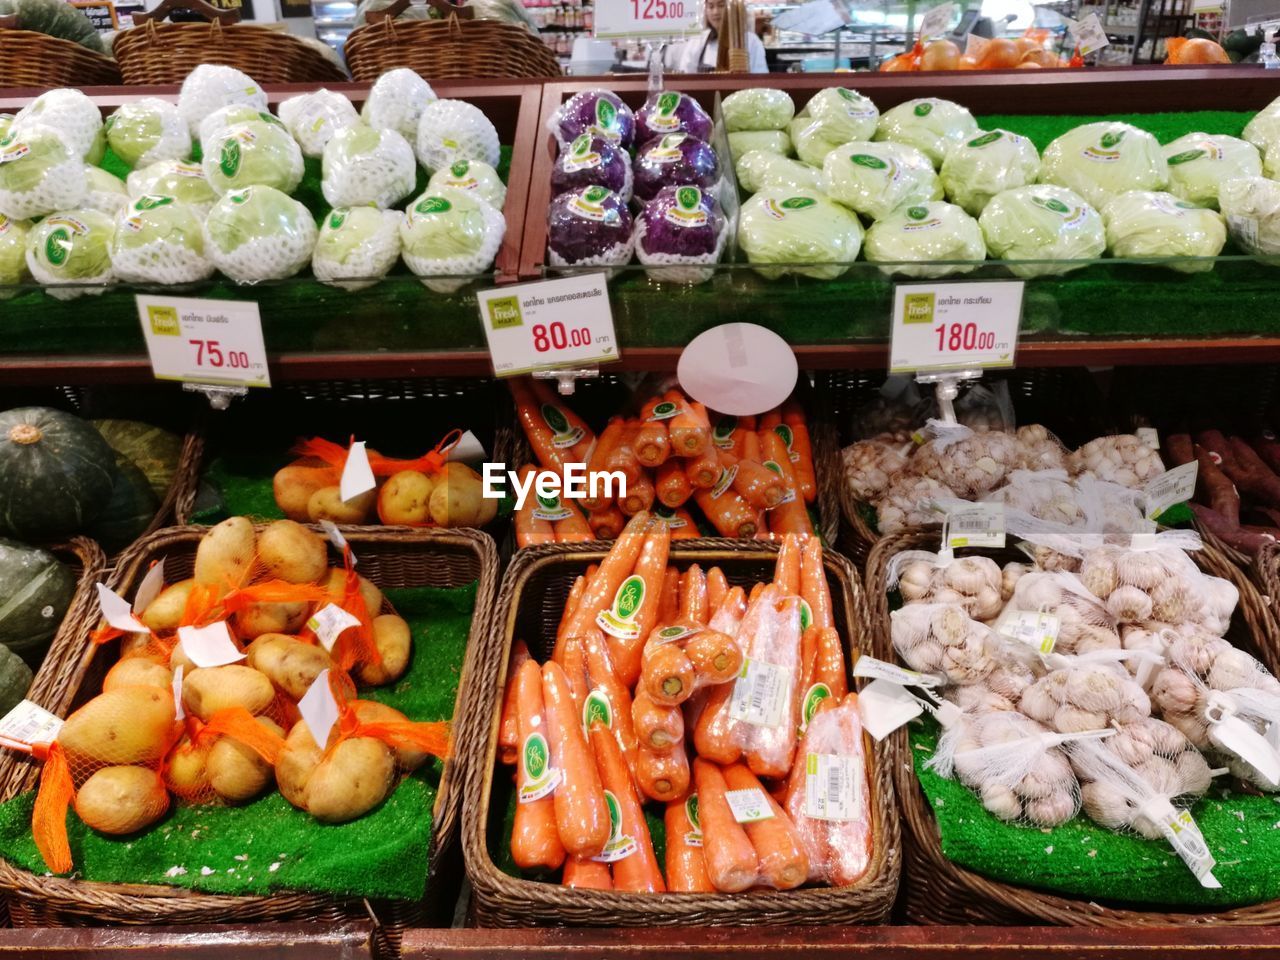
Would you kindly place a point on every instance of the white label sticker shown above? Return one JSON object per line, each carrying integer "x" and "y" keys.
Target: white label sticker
{"x": 329, "y": 622}
{"x": 357, "y": 475}
{"x": 1183, "y": 834}
{"x": 976, "y": 46}
{"x": 1173, "y": 486}
{"x": 954, "y": 326}
{"x": 179, "y": 713}
{"x": 319, "y": 709}
{"x": 150, "y": 587}
{"x": 27, "y": 724}
{"x": 541, "y": 779}
{"x": 749, "y": 805}
{"x": 335, "y": 537}
{"x": 619, "y": 845}
{"x": 1088, "y": 33}
{"x": 884, "y": 706}
{"x": 549, "y": 324}
{"x": 204, "y": 341}
{"x": 761, "y": 694}
{"x": 873, "y": 669}
{"x": 209, "y": 646}
{"x": 1237, "y": 738}
{"x": 117, "y": 612}
{"x": 936, "y": 21}
{"x": 550, "y": 508}
{"x": 1037, "y": 630}
{"x": 831, "y": 787}
{"x": 647, "y": 18}
{"x": 975, "y": 525}
{"x": 1149, "y": 436}
{"x": 1244, "y": 230}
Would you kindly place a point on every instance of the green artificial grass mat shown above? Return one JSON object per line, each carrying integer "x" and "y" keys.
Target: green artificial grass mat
{"x": 239, "y": 486}
{"x": 1081, "y": 859}
{"x": 268, "y": 845}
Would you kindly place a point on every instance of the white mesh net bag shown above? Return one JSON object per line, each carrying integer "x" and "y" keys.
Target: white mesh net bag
{"x": 869, "y": 466}
{"x": 925, "y": 577}
{"x": 451, "y": 130}
{"x": 968, "y": 462}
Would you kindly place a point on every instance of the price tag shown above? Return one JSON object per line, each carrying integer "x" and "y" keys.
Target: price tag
{"x": 335, "y": 537}
{"x": 1037, "y": 630}
{"x": 1184, "y": 835}
{"x": 209, "y": 646}
{"x": 27, "y": 724}
{"x": 150, "y": 587}
{"x": 975, "y": 525}
{"x": 357, "y": 475}
{"x": 319, "y": 709}
{"x": 935, "y": 22}
{"x": 954, "y": 326}
{"x": 1173, "y": 486}
{"x": 883, "y": 707}
{"x": 1149, "y": 436}
{"x": 204, "y": 341}
{"x": 647, "y": 18}
{"x": 117, "y": 612}
{"x": 749, "y": 805}
{"x": 831, "y": 787}
{"x": 872, "y": 669}
{"x": 549, "y": 324}
{"x": 329, "y": 622}
{"x": 761, "y": 694}
{"x": 1089, "y": 34}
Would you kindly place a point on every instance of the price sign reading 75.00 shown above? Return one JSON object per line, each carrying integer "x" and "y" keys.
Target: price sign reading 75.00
{"x": 955, "y": 326}
{"x": 647, "y": 18}
{"x": 204, "y": 341}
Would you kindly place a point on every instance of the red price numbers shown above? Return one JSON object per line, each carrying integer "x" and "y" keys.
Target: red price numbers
{"x": 657, "y": 9}
{"x": 963, "y": 336}
{"x": 210, "y": 353}
{"x": 556, "y": 336}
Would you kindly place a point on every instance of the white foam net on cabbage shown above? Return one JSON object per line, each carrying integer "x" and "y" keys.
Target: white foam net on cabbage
{"x": 147, "y": 131}
{"x": 313, "y": 118}
{"x": 367, "y": 166}
{"x": 72, "y": 114}
{"x": 211, "y": 86}
{"x": 173, "y": 178}
{"x": 59, "y": 184}
{"x": 256, "y": 152}
{"x": 160, "y": 243}
{"x": 68, "y": 233}
{"x": 106, "y": 192}
{"x": 396, "y": 102}
{"x": 460, "y": 267}
{"x": 674, "y": 268}
{"x": 615, "y": 256}
{"x": 450, "y": 130}
{"x": 278, "y": 253}
{"x": 478, "y": 177}
{"x": 215, "y": 124}
{"x": 338, "y": 259}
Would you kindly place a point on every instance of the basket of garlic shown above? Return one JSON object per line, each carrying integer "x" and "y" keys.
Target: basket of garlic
{"x": 1095, "y": 783}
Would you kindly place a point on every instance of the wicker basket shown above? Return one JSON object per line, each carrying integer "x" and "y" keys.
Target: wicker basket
{"x": 33, "y": 59}
{"x": 529, "y": 605}
{"x": 938, "y": 891}
{"x": 1265, "y": 570}
{"x": 391, "y": 557}
{"x": 449, "y": 49}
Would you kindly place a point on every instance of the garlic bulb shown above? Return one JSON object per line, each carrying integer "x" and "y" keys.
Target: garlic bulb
{"x": 1122, "y": 459}
{"x": 1038, "y": 449}
{"x": 1084, "y": 625}
{"x": 1045, "y": 495}
{"x": 908, "y": 504}
{"x": 971, "y": 466}
{"x": 870, "y": 466}
{"x": 1087, "y": 696}
{"x": 1010, "y": 574}
{"x": 941, "y": 638}
{"x": 971, "y": 582}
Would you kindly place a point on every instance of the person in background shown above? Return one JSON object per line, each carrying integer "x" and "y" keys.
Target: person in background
{"x": 698, "y": 54}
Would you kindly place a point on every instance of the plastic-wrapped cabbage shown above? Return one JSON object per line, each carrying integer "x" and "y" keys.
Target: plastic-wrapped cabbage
{"x": 72, "y": 247}
{"x": 450, "y": 233}
{"x": 6, "y": 121}
{"x": 876, "y": 178}
{"x": 1102, "y": 160}
{"x": 832, "y": 117}
{"x": 252, "y": 153}
{"x": 313, "y": 118}
{"x": 146, "y": 131}
{"x": 1263, "y": 131}
{"x": 592, "y": 161}
{"x": 590, "y": 226}
{"x": 770, "y": 141}
{"x": 675, "y": 160}
{"x": 930, "y": 125}
{"x": 671, "y": 112}
{"x": 1251, "y": 206}
{"x": 757, "y": 108}
{"x": 475, "y": 176}
{"x": 1042, "y": 222}
{"x": 1200, "y": 163}
{"x": 73, "y": 115}
{"x": 976, "y": 170}
{"x": 357, "y": 246}
{"x": 678, "y": 233}
{"x": 757, "y": 170}
{"x": 13, "y": 253}
{"x": 39, "y": 174}
{"x": 259, "y": 233}
{"x": 778, "y": 226}
{"x": 600, "y": 113}
{"x": 105, "y": 191}
{"x": 210, "y": 87}
{"x": 1271, "y": 163}
{"x": 366, "y": 166}
{"x": 927, "y": 233}
{"x": 185, "y": 182}
{"x": 221, "y": 120}
{"x": 396, "y": 102}
{"x": 159, "y": 240}
{"x": 452, "y": 130}
{"x": 1143, "y": 223}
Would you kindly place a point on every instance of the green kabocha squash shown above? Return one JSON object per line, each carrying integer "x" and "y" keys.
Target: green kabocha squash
{"x": 156, "y": 451}
{"x": 131, "y": 508}
{"x": 56, "y": 473}
{"x": 55, "y": 18}
{"x": 15, "y": 680}
{"x": 36, "y": 589}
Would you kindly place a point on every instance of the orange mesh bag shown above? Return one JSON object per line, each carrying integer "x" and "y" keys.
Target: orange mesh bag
{"x": 909, "y": 61}
{"x": 230, "y": 759}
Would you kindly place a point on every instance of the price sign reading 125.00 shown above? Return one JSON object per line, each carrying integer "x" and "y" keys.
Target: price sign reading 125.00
{"x": 955, "y": 326}
{"x": 647, "y": 18}
{"x": 553, "y": 323}
{"x": 215, "y": 342}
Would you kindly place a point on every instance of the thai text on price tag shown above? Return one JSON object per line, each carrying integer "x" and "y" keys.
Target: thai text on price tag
{"x": 974, "y": 525}
{"x": 549, "y": 324}
{"x": 1173, "y": 486}
{"x": 935, "y": 22}
{"x": 204, "y": 341}
{"x": 647, "y": 18}
{"x": 1089, "y": 34}
{"x": 954, "y": 326}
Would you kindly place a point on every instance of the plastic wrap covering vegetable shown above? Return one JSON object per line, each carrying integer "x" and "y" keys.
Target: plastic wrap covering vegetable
{"x": 592, "y": 161}
{"x": 869, "y": 467}
{"x": 1044, "y": 494}
{"x": 13, "y": 253}
{"x": 771, "y": 141}
{"x": 671, "y": 112}
{"x": 1200, "y": 163}
{"x": 105, "y": 191}
{"x": 1144, "y": 224}
{"x": 474, "y": 176}
{"x": 73, "y": 115}
{"x": 1264, "y": 129}
{"x": 211, "y": 86}
{"x": 874, "y": 179}
{"x": 452, "y": 130}
{"x": 1271, "y": 162}
{"x": 450, "y": 233}
{"x": 185, "y": 182}
{"x": 967, "y": 462}
{"x": 259, "y": 233}
{"x": 930, "y": 125}
{"x": 600, "y": 113}
{"x": 927, "y": 233}
{"x": 1251, "y": 206}
{"x": 675, "y": 160}
{"x": 217, "y": 123}
{"x": 366, "y": 166}
{"x": 590, "y": 227}
{"x": 159, "y": 240}
{"x": 313, "y": 118}
{"x": 39, "y": 174}
{"x": 758, "y": 171}
{"x": 396, "y": 102}
{"x": 1103, "y": 160}
{"x": 6, "y": 120}
{"x": 978, "y": 169}
{"x": 971, "y": 582}
{"x": 72, "y": 247}
{"x": 253, "y": 153}
{"x": 678, "y": 233}
{"x": 357, "y": 244}
{"x": 832, "y": 117}
{"x": 148, "y": 130}
{"x": 778, "y": 226}
{"x": 908, "y": 503}
{"x": 1124, "y": 459}
{"x": 757, "y": 108}
{"x": 1042, "y": 222}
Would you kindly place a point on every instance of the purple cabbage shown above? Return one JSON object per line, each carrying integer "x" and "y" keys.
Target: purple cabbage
{"x": 597, "y": 112}
{"x": 672, "y": 161}
{"x": 591, "y": 160}
{"x": 681, "y": 221}
{"x": 587, "y": 223}
{"x": 671, "y": 112}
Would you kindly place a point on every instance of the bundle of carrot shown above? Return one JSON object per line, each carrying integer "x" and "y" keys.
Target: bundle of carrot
{"x": 650, "y": 661}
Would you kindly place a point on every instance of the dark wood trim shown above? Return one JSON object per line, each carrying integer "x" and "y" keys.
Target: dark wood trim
{"x": 293, "y": 941}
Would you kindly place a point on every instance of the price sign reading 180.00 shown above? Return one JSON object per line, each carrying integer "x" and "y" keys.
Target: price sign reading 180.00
{"x": 647, "y": 18}
{"x": 553, "y": 323}
{"x": 215, "y": 342}
{"x": 955, "y": 326}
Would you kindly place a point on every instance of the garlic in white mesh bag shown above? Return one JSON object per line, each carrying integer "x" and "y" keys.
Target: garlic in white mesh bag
{"x": 159, "y": 240}
{"x": 986, "y": 407}
{"x": 1039, "y": 449}
{"x": 146, "y": 131}
{"x": 313, "y": 118}
{"x": 909, "y": 503}
{"x": 1084, "y": 625}
{"x": 357, "y": 246}
{"x": 366, "y": 166}
{"x": 940, "y": 638}
{"x": 452, "y": 130}
{"x": 967, "y": 462}
{"x": 472, "y": 175}
{"x": 396, "y": 102}
{"x": 210, "y": 87}
{"x": 1045, "y": 494}
{"x": 1010, "y": 574}
{"x": 450, "y": 234}
{"x": 1154, "y": 579}
{"x": 106, "y": 192}
{"x": 39, "y": 174}
{"x": 870, "y": 466}
{"x": 259, "y": 233}
{"x": 972, "y": 582}
{"x": 1085, "y": 695}
{"x": 893, "y": 414}
{"x": 253, "y": 153}
{"x": 72, "y": 115}
{"x": 185, "y": 182}
{"x": 1124, "y": 459}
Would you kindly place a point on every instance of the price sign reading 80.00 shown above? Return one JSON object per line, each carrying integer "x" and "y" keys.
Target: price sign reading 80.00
{"x": 549, "y": 324}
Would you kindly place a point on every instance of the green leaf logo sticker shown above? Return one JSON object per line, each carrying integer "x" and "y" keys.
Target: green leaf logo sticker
{"x": 241, "y": 196}
{"x": 722, "y": 435}
{"x": 595, "y": 194}
{"x": 1111, "y": 139}
{"x": 229, "y": 158}
{"x": 630, "y": 597}
{"x": 798, "y": 203}
{"x": 917, "y": 213}
{"x": 665, "y": 410}
{"x": 596, "y": 709}
{"x": 923, "y": 109}
{"x": 606, "y": 114}
{"x": 1186, "y": 156}
{"x": 784, "y": 432}
{"x": 554, "y": 419}
{"x": 582, "y": 144}
{"x": 615, "y": 819}
{"x": 806, "y": 615}
{"x": 336, "y": 219}
{"x": 689, "y": 198}
{"x": 549, "y": 503}
{"x": 868, "y": 161}
{"x": 429, "y": 205}
{"x": 1053, "y": 204}
{"x": 460, "y": 168}
{"x": 691, "y": 812}
{"x": 536, "y": 756}
{"x": 986, "y": 138}
{"x": 150, "y": 201}
{"x": 847, "y": 94}
{"x": 57, "y": 247}
{"x": 772, "y": 465}
{"x": 667, "y": 103}
{"x": 813, "y": 698}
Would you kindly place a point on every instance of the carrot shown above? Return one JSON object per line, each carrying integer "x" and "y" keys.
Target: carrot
{"x": 705, "y": 471}
{"x": 531, "y": 530}
{"x": 784, "y": 864}
{"x": 814, "y": 588}
{"x": 668, "y": 675}
{"x": 574, "y": 663}
{"x": 690, "y": 430}
{"x": 729, "y": 432}
{"x": 809, "y": 696}
{"x": 535, "y": 839}
{"x": 790, "y": 515}
{"x": 729, "y": 612}
{"x": 800, "y": 447}
{"x": 600, "y": 456}
{"x": 570, "y": 605}
{"x": 536, "y": 430}
{"x": 768, "y": 421}
{"x": 656, "y": 727}
{"x": 829, "y": 665}
{"x": 604, "y": 681}
{"x": 717, "y": 588}
{"x": 729, "y": 513}
{"x": 606, "y": 524}
{"x": 573, "y": 425}
{"x": 716, "y": 658}
{"x": 623, "y": 456}
{"x": 573, "y": 528}
{"x": 509, "y": 731}
{"x": 679, "y": 521}
{"x": 731, "y": 860}
{"x": 582, "y": 816}
{"x": 715, "y": 733}
{"x": 636, "y": 872}
{"x": 653, "y": 443}
{"x": 669, "y": 608}
{"x": 604, "y": 583}
{"x": 672, "y": 487}
{"x": 686, "y": 865}
{"x": 583, "y": 873}
{"x": 786, "y": 572}
{"x": 633, "y": 612}
{"x": 663, "y": 775}
{"x": 640, "y": 496}
{"x": 693, "y": 596}
{"x": 772, "y": 628}
{"x": 755, "y": 483}
{"x": 756, "y": 590}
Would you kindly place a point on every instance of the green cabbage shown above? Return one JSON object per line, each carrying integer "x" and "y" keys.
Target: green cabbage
{"x": 927, "y": 232}
{"x": 757, "y": 108}
{"x": 832, "y": 117}
{"x": 251, "y": 153}
{"x": 1042, "y": 222}
{"x": 73, "y": 115}
{"x": 450, "y": 232}
{"x": 106, "y": 191}
{"x": 1145, "y": 224}
{"x": 1102, "y": 160}
{"x": 930, "y": 125}
{"x": 1263, "y": 131}
{"x": 159, "y": 240}
{"x": 6, "y": 121}
{"x": 13, "y": 253}
{"x": 770, "y": 141}
{"x": 72, "y": 247}
{"x": 978, "y": 169}
{"x": 357, "y": 246}
{"x": 472, "y": 175}
{"x": 799, "y": 227}
{"x": 876, "y": 178}
{"x": 185, "y": 182}
{"x": 1251, "y": 206}
{"x": 147, "y": 130}
{"x": 757, "y": 170}
{"x": 1199, "y": 163}
{"x": 259, "y": 233}
{"x": 39, "y": 174}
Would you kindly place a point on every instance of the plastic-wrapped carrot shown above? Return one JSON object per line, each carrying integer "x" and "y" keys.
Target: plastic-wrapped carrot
{"x": 790, "y": 515}
{"x": 704, "y": 471}
{"x": 813, "y": 584}
{"x": 754, "y": 482}
{"x": 715, "y": 733}
{"x": 797, "y": 439}
{"x": 623, "y": 456}
{"x": 604, "y": 450}
{"x": 769, "y": 747}
{"x": 656, "y": 727}
{"x": 784, "y": 864}
{"x": 786, "y": 573}
{"x": 694, "y": 606}
{"x": 728, "y": 433}
{"x": 686, "y": 866}
{"x": 604, "y": 583}
{"x": 531, "y": 530}
{"x": 640, "y": 496}
{"x": 573, "y": 528}
{"x": 570, "y": 605}
{"x": 535, "y": 838}
{"x": 690, "y": 430}
{"x": 662, "y": 775}
{"x": 679, "y": 521}
{"x": 731, "y": 860}
{"x": 669, "y": 607}
{"x": 583, "y": 873}
{"x": 607, "y": 524}
{"x": 637, "y": 871}
{"x": 672, "y": 487}
{"x": 574, "y": 663}
{"x": 716, "y": 657}
{"x": 566, "y": 425}
{"x": 508, "y": 729}
{"x": 811, "y": 695}
{"x": 828, "y": 664}
{"x": 536, "y": 430}
{"x": 769, "y": 420}
{"x": 729, "y": 513}
{"x": 668, "y": 675}
{"x": 633, "y": 610}
{"x": 582, "y": 816}
{"x": 653, "y": 443}
{"x": 717, "y": 588}
{"x": 604, "y": 682}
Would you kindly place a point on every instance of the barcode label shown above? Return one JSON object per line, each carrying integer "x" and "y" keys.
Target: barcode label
{"x": 1037, "y": 630}
{"x": 329, "y": 622}
{"x": 27, "y": 724}
{"x": 761, "y": 694}
{"x": 749, "y": 806}
{"x": 975, "y": 525}
{"x": 831, "y": 787}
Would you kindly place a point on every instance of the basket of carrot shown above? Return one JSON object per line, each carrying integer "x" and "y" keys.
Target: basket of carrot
{"x": 674, "y": 740}
{"x": 699, "y": 472}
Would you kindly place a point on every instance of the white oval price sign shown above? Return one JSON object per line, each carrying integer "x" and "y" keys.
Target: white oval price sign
{"x": 647, "y": 18}
{"x": 955, "y": 326}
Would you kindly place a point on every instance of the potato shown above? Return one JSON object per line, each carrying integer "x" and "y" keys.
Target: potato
{"x": 327, "y": 504}
{"x": 456, "y": 499}
{"x": 406, "y": 498}
{"x": 288, "y": 663}
{"x": 207, "y": 690}
{"x": 186, "y": 770}
{"x": 370, "y": 711}
{"x": 141, "y": 646}
{"x": 488, "y": 509}
{"x": 164, "y": 613}
{"x": 289, "y": 551}
{"x": 298, "y": 759}
{"x": 336, "y": 586}
{"x": 392, "y": 638}
{"x": 236, "y": 772}
{"x": 137, "y": 672}
{"x": 353, "y": 779}
{"x": 293, "y": 486}
{"x": 127, "y": 725}
{"x": 259, "y": 618}
{"x": 178, "y": 658}
{"x": 121, "y": 800}
{"x": 225, "y": 554}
